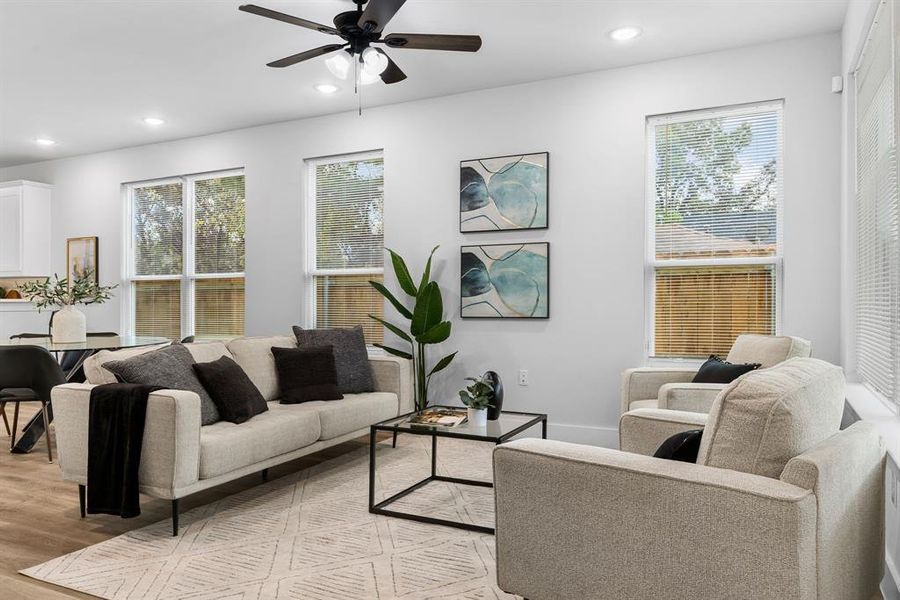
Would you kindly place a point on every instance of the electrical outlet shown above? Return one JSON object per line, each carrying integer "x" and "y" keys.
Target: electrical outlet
{"x": 523, "y": 377}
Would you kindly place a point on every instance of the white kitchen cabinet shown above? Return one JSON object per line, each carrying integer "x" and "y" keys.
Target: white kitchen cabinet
{"x": 24, "y": 229}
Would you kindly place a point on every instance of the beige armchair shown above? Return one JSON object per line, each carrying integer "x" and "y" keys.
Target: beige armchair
{"x": 671, "y": 388}
{"x": 780, "y": 505}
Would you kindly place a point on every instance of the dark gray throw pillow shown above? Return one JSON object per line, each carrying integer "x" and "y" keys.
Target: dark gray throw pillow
{"x": 170, "y": 368}
{"x": 235, "y": 396}
{"x": 351, "y": 359}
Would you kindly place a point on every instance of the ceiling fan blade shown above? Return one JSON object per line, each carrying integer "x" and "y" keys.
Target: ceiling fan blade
{"x": 294, "y": 59}
{"x": 279, "y": 16}
{"x": 393, "y": 73}
{"x": 428, "y": 41}
{"x": 378, "y": 13}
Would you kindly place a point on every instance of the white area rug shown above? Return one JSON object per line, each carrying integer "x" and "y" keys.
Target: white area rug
{"x": 310, "y": 536}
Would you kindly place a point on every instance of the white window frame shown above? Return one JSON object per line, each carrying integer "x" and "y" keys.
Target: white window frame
{"x": 651, "y": 263}
{"x": 312, "y": 271}
{"x": 188, "y": 276}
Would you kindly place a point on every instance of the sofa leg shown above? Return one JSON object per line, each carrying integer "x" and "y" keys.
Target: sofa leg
{"x": 395, "y": 440}
{"x": 265, "y": 474}
{"x": 81, "y": 500}
{"x": 175, "y": 517}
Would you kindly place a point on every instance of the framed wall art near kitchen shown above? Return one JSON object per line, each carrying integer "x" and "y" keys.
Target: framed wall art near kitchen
{"x": 82, "y": 256}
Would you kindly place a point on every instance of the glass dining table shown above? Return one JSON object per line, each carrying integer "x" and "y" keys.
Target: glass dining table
{"x": 34, "y": 429}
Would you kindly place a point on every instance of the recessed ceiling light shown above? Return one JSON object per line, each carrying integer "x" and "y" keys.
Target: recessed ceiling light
{"x": 325, "y": 88}
{"x": 623, "y": 34}
{"x": 44, "y": 142}
{"x": 154, "y": 121}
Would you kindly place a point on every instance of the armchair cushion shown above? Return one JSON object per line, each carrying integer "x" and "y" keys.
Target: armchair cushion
{"x": 716, "y": 370}
{"x": 767, "y": 417}
{"x": 682, "y": 446}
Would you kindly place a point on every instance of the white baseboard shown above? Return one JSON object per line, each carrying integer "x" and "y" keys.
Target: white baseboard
{"x": 607, "y": 437}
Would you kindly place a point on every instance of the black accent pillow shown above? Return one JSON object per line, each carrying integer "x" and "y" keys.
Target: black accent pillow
{"x": 306, "y": 374}
{"x": 170, "y": 369}
{"x": 682, "y": 446}
{"x": 716, "y": 370}
{"x": 234, "y": 395}
{"x": 351, "y": 359}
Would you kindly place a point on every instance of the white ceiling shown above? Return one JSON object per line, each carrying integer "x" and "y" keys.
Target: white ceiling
{"x": 84, "y": 72}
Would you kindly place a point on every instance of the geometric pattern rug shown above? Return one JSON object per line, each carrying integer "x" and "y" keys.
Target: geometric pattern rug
{"x": 309, "y": 536}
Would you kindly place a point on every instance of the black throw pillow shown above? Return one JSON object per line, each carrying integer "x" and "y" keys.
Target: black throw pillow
{"x": 306, "y": 374}
{"x": 716, "y": 370}
{"x": 351, "y": 359}
{"x": 234, "y": 395}
{"x": 682, "y": 446}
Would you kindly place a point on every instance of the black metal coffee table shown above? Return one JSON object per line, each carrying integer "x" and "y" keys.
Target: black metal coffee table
{"x": 503, "y": 429}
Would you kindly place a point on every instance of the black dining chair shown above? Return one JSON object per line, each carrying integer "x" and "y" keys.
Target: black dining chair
{"x": 27, "y": 374}
{"x": 23, "y": 394}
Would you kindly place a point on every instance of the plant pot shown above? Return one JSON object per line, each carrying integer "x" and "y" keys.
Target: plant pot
{"x": 477, "y": 416}
{"x": 495, "y": 382}
{"x": 69, "y": 326}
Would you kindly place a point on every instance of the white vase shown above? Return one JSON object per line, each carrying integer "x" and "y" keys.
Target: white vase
{"x": 69, "y": 326}
{"x": 477, "y": 417}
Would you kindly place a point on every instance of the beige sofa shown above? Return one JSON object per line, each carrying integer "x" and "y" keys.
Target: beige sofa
{"x": 780, "y": 505}
{"x": 179, "y": 457}
{"x": 671, "y": 388}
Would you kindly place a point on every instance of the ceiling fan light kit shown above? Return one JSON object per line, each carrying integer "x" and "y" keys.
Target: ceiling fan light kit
{"x": 360, "y": 29}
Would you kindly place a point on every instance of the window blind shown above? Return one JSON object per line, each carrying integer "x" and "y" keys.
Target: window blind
{"x": 348, "y": 197}
{"x": 219, "y": 217}
{"x": 158, "y": 217}
{"x": 157, "y": 308}
{"x": 877, "y": 233}
{"x": 715, "y": 253}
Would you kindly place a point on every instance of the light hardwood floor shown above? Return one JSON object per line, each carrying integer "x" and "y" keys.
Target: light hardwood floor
{"x": 39, "y": 517}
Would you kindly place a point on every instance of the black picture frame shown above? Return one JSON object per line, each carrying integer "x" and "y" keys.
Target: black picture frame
{"x": 469, "y": 163}
{"x": 522, "y": 246}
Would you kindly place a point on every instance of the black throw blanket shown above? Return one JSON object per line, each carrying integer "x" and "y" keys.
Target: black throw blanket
{"x": 115, "y": 434}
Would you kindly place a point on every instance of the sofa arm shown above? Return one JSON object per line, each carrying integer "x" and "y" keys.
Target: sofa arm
{"x": 170, "y": 453}
{"x": 644, "y": 383}
{"x": 394, "y": 374}
{"x": 692, "y": 397}
{"x": 643, "y": 430}
{"x": 592, "y": 523}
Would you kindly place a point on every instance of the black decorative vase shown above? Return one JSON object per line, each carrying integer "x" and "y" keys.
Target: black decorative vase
{"x": 492, "y": 379}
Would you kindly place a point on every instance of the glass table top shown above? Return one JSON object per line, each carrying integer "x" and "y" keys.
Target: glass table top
{"x": 509, "y": 424}
{"x": 91, "y": 343}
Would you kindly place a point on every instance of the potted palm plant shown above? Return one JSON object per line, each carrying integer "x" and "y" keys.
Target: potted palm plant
{"x": 426, "y": 325}
{"x": 68, "y": 324}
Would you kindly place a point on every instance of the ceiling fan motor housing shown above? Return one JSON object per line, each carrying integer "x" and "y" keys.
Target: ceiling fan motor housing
{"x": 347, "y": 23}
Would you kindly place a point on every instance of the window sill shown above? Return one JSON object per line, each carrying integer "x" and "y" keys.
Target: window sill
{"x": 872, "y": 409}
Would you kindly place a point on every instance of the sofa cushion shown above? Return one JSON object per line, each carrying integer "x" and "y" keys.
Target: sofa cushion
{"x": 351, "y": 359}
{"x": 254, "y": 354}
{"x": 235, "y": 396}
{"x": 306, "y": 374}
{"x": 171, "y": 368}
{"x": 768, "y": 350}
{"x": 204, "y": 352}
{"x": 716, "y": 370}
{"x": 94, "y": 372}
{"x": 767, "y": 417}
{"x": 226, "y": 447}
{"x": 355, "y": 411}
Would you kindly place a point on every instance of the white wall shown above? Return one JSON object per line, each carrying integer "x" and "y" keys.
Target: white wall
{"x": 593, "y": 127}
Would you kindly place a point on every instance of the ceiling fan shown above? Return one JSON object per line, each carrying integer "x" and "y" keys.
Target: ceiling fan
{"x": 360, "y": 29}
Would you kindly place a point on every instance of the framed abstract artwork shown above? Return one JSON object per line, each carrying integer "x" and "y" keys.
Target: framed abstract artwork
{"x": 504, "y": 193}
{"x": 505, "y": 281}
{"x": 81, "y": 257}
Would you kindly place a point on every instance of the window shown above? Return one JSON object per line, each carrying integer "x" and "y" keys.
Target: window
{"x": 186, "y": 256}
{"x": 346, "y": 214}
{"x": 877, "y": 215}
{"x": 714, "y": 195}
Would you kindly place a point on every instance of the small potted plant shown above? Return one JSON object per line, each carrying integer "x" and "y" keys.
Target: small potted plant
{"x": 477, "y": 398}
{"x": 68, "y": 324}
